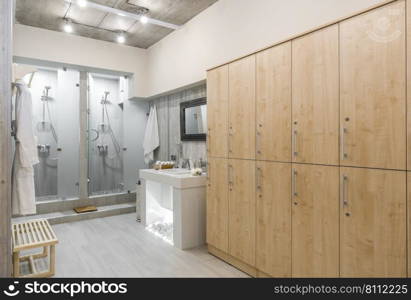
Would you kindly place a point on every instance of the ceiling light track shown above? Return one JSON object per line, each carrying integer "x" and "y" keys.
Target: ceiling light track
{"x": 123, "y": 13}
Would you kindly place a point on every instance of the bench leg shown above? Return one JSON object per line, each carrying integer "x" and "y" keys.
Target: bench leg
{"x": 16, "y": 264}
{"x": 52, "y": 259}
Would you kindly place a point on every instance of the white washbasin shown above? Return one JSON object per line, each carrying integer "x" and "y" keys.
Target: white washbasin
{"x": 179, "y": 178}
{"x": 176, "y": 171}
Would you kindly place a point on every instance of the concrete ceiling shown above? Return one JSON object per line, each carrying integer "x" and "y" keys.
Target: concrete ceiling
{"x": 95, "y": 24}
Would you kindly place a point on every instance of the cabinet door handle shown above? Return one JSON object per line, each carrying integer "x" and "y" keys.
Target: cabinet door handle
{"x": 259, "y": 177}
{"x": 230, "y": 175}
{"x": 258, "y": 139}
{"x": 344, "y": 199}
{"x": 294, "y": 183}
{"x": 295, "y": 142}
{"x": 344, "y": 155}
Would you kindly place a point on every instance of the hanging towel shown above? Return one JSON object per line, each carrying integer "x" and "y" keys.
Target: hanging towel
{"x": 151, "y": 139}
{"x": 23, "y": 193}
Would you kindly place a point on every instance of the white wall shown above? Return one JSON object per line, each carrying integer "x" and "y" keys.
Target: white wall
{"x": 50, "y": 45}
{"x": 232, "y": 28}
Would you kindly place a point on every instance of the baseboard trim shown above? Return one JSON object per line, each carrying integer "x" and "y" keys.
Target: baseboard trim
{"x": 238, "y": 264}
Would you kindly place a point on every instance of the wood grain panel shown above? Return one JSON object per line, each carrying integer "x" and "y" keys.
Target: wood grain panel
{"x": 373, "y": 223}
{"x": 373, "y": 88}
{"x": 217, "y": 112}
{"x": 273, "y": 248}
{"x": 315, "y": 97}
{"x": 217, "y": 203}
{"x": 273, "y": 104}
{"x": 408, "y": 37}
{"x": 242, "y": 108}
{"x": 242, "y": 210}
{"x": 315, "y": 224}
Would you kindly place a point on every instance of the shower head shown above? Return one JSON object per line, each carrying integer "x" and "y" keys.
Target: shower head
{"x": 45, "y": 96}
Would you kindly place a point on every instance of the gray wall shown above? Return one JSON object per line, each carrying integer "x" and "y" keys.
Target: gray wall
{"x": 168, "y": 115}
{"x": 6, "y": 21}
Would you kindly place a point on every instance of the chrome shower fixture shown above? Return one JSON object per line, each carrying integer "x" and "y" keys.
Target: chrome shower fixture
{"x": 43, "y": 148}
{"x": 46, "y": 96}
{"x": 104, "y": 99}
{"x": 102, "y": 149}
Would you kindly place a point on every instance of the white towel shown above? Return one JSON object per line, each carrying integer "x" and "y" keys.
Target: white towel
{"x": 151, "y": 139}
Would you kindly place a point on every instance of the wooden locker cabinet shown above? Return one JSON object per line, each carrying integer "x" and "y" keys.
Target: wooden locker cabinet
{"x": 315, "y": 97}
{"x": 315, "y": 224}
{"x": 373, "y": 223}
{"x": 217, "y": 112}
{"x": 217, "y": 203}
{"x": 408, "y": 14}
{"x": 242, "y": 108}
{"x": 242, "y": 207}
{"x": 273, "y": 245}
{"x": 273, "y": 104}
{"x": 373, "y": 89}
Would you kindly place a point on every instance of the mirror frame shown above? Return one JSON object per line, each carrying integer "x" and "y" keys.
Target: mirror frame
{"x": 183, "y": 107}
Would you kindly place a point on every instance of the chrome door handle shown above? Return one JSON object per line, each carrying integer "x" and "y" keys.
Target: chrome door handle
{"x": 294, "y": 183}
{"x": 344, "y": 200}
{"x": 258, "y": 142}
{"x": 259, "y": 175}
{"x": 344, "y": 155}
{"x": 230, "y": 175}
{"x": 295, "y": 142}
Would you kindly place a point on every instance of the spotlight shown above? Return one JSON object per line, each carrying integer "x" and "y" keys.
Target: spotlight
{"x": 121, "y": 38}
{"x": 82, "y": 3}
{"x": 144, "y": 19}
{"x": 68, "y": 27}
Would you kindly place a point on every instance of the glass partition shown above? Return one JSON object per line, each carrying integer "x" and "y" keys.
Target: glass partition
{"x": 55, "y": 96}
{"x": 106, "y": 99}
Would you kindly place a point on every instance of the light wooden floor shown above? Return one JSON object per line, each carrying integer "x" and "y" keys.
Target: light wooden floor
{"x": 119, "y": 246}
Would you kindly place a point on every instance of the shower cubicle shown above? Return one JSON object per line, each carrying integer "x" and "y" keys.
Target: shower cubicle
{"x": 112, "y": 128}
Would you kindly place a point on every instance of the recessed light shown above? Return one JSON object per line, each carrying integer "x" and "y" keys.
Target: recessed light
{"x": 121, "y": 38}
{"x": 68, "y": 27}
{"x": 144, "y": 19}
{"x": 82, "y": 3}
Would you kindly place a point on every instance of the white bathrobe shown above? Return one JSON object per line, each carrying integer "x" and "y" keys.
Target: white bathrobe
{"x": 151, "y": 139}
{"x": 23, "y": 195}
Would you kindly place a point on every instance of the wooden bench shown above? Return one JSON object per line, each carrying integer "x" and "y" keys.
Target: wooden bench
{"x": 30, "y": 235}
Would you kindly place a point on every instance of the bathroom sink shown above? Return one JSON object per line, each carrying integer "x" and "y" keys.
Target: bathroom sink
{"x": 179, "y": 178}
{"x": 176, "y": 171}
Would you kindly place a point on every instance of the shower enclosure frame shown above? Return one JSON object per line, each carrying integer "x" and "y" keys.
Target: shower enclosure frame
{"x": 84, "y": 87}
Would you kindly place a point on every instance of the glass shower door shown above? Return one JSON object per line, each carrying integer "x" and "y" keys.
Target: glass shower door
{"x": 105, "y": 132}
{"x": 55, "y": 98}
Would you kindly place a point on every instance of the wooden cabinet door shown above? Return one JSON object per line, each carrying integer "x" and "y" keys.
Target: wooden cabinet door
{"x": 315, "y": 224}
{"x": 242, "y": 108}
{"x": 373, "y": 223}
{"x": 217, "y": 203}
{"x": 217, "y": 112}
{"x": 373, "y": 89}
{"x": 315, "y": 99}
{"x": 273, "y": 104}
{"x": 273, "y": 248}
{"x": 242, "y": 210}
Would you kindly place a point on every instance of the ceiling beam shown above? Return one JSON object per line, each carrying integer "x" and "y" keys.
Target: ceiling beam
{"x": 124, "y": 13}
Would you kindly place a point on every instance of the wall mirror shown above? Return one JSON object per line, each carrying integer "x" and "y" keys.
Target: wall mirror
{"x": 193, "y": 120}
